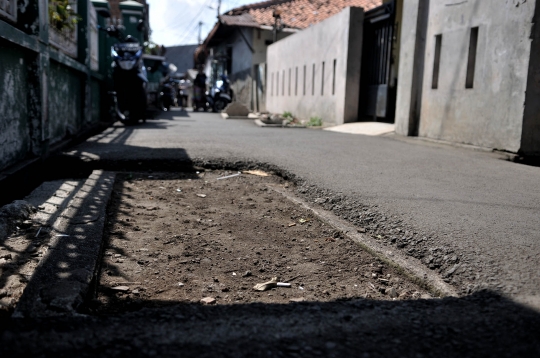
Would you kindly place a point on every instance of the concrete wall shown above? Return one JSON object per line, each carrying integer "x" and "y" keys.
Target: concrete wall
{"x": 413, "y": 19}
{"x": 47, "y": 94}
{"x": 491, "y": 113}
{"x": 14, "y": 118}
{"x": 338, "y": 39}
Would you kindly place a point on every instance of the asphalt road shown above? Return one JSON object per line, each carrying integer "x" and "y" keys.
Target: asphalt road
{"x": 446, "y": 200}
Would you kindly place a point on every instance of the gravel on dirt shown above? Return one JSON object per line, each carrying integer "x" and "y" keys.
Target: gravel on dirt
{"x": 195, "y": 238}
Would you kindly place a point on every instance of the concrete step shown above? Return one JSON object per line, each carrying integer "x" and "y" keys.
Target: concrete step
{"x": 73, "y": 213}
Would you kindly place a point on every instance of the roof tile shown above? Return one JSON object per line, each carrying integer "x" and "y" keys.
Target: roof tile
{"x": 298, "y": 14}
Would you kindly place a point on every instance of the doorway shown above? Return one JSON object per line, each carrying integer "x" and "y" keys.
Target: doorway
{"x": 377, "y": 92}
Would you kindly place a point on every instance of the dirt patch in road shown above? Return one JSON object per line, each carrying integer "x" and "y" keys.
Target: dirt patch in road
{"x": 174, "y": 238}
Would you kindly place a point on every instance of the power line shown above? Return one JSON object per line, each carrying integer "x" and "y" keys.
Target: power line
{"x": 190, "y": 32}
{"x": 195, "y": 18}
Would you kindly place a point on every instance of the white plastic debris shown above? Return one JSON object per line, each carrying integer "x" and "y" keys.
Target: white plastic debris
{"x": 229, "y": 176}
{"x": 121, "y": 288}
{"x": 267, "y": 285}
{"x": 201, "y": 195}
{"x": 179, "y": 190}
{"x": 283, "y": 284}
{"x": 259, "y": 173}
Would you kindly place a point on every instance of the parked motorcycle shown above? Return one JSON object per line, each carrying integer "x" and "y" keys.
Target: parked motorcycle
{"x": 221, "y": 94}
{"x": 129, "y": 77}
{"x": 167, "y": 94}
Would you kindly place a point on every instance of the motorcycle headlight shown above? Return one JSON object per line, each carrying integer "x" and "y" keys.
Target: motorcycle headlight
{"x": 127, "y": 64}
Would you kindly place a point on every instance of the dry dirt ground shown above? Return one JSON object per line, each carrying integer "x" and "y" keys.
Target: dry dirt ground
{"x": 20, "y": 254}
{"x": 183, "y": 238}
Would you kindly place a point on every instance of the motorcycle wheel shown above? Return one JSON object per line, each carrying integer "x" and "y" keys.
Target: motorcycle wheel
{"x": 219, "y": 105}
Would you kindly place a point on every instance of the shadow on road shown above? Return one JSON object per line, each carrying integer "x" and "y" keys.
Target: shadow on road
{"x": 482, "y": 325}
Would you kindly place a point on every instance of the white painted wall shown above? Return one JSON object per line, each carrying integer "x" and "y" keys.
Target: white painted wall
{"x": 338, "y": 39}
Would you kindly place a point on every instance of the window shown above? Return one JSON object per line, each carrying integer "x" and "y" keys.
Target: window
{"x": 436, "y": 62}
{"x": 305, "y": 79}
{"x": 277, "y": 84}
{"x": 283, "y": 84}
{"x": 313, "y": 82}
{"x": 322, "y": 80}
{"x": 229, "y": 60}
{"x": 471, "y": 63}
{"x": 296, "y": 81}
{"x": 290, "y": 71}
{"x": 334, "y": 78}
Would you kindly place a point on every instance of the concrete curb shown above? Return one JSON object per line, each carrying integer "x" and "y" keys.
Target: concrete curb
{"x": 409, "y": 266}
{"x": 250, "y": 116}
{"x": 62, "y": 279}
{"x": 262, "y": 124}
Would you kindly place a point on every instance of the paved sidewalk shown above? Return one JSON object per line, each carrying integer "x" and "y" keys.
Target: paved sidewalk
{"x": 460, "y": 209}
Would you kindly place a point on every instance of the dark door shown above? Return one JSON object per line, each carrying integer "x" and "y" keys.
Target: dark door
{"x": 377, "y": 99}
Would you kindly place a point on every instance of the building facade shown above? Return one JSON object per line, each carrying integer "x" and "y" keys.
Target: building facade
{"x": 469, "y": 73}
{"x": 237, "y": 46}
{"x": 319, "y": 81}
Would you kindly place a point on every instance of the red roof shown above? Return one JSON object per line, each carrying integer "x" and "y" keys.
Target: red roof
{"x": 298, "y": 14}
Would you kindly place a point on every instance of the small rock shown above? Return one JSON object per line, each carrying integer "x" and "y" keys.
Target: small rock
{"x": 237, "y": 109}
{"x": 180, "y": 284}
{"x": 361, "y": 230}
{"x": 208, "y": 301}
{"x": 247, "y": 274}
{"x": 117, "y": 255}
{"x": 6, "y": 257}
{"x": 392, "y": 292}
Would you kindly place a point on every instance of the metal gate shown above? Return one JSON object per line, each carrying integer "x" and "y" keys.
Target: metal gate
{"x": 376, "y": 97}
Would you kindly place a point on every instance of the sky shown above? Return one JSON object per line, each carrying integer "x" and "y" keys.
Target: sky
{"x": 176, "y": 22}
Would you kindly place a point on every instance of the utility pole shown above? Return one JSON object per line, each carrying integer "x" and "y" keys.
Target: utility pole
{"x": 200, "y": 31}
{"x": 218, "y": 7}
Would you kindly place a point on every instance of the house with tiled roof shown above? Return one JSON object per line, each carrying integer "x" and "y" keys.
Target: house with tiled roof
{"x": 237, "y": 45}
